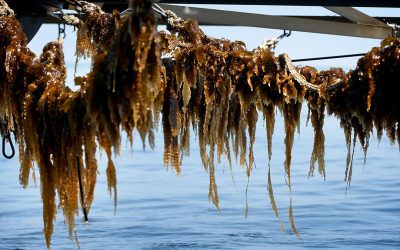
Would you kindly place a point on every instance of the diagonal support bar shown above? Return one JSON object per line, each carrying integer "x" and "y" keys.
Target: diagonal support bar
{"x": 222, "y": 17}
{"x": 355, "y": 15}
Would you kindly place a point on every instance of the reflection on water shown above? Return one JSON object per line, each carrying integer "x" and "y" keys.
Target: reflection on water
{"x": 159, "y": 210}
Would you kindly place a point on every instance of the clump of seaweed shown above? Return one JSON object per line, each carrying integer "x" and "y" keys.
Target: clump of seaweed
{"x": 56, "y": 127}
{"x": 368, "y": 99}
{"x": 124, "y": 84}
{"x": 234, "y": 83}
{"x": 96, "y": 32}
{"x": 214, "y": 86}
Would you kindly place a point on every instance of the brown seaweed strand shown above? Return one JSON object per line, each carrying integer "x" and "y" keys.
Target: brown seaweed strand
{"x": 292, "y": 225}
{"x": 112, "y": 181}
{"x": 173, "y": 119}
{"x": 251, "y": 119}
{"x": 110, "y": 171}
{"x": 48, "y": 199}
{"x": 272, "y": 198}
{"x": 317, "y": 155}
{"x": 269, "y": 116}
{"x": 81, "y": 191}
{"x": 170, "y": 123}
{"x": 90, "y": 172}
{"x": 350, "y": 169}
{"x": 169, "y": 78}
{"x": 291, "y": 115}
{"x": 347, "y": 132}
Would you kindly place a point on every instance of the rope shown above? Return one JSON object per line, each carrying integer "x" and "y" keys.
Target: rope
{"x": 287, "y": 63}
{"x": 4, "y": 9}
{"x": 156, "y": 8}
{"x": 273, "y": 42}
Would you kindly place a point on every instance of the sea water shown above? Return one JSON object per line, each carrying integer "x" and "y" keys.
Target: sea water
{"x": 157, "y": 209}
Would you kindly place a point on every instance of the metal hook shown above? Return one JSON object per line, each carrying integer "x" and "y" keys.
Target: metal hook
{"x": 272, "y": 43}
{"x": 8, "y": 137}
{"x": 61, "y": 30}
{"x": 285, "y": 34}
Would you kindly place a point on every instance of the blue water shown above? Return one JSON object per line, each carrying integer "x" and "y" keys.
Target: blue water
{"x": 159, "y": 210}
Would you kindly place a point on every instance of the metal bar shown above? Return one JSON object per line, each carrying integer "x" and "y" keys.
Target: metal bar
{"x": 221, "y": 17}
{"x": 385, "y": 19}
{"x": 344, "y": 3}
{"x": 51, "y": 19}
{"x": 355, "y": 15}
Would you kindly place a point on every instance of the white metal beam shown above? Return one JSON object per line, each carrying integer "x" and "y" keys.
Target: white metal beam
{"x": 222, "y": 17}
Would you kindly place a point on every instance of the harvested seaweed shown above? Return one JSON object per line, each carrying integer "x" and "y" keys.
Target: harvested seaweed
{"x": 55, "y": 126}
{"x": 214, "y": 86}
{"x": 96, "y": 32}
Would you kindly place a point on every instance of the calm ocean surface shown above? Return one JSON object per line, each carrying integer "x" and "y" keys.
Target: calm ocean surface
{"x": 159, "y": 210}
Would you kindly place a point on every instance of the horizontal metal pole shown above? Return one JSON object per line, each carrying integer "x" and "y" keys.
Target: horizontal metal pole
{"x": 344, "y": 3}
{"x": 385, "y": 19}
{"x": 220, "y": 17}
{"x": 52, "y": 20}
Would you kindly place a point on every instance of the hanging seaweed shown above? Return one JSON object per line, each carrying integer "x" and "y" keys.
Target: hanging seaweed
{"x": 96, "y": 32}
{"x": 215, "y": 87}
{"x": 56, "y": 126}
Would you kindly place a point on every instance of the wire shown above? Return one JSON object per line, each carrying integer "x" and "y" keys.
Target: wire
{"x": 156, "y": 8}
{"x": 327, "y": 57}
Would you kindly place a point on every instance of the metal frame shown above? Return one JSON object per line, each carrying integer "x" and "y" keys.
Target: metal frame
{"x": 359, "y": 24}
{"x": 342, "y": 3}
{"x": 350, "y": 21}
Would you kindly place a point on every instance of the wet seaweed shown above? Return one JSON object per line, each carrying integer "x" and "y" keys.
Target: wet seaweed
{"x": 213, "y": 87}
